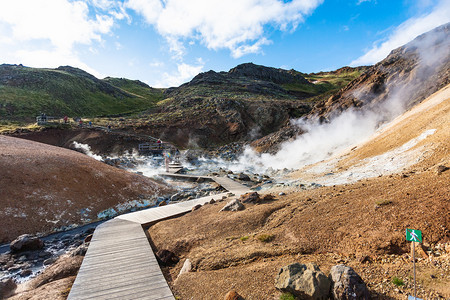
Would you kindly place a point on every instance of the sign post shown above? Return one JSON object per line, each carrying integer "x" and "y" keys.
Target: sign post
{"x": 414, "y": 235}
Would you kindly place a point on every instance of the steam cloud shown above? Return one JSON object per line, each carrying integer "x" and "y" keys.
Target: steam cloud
{"x": 354, "y": 126}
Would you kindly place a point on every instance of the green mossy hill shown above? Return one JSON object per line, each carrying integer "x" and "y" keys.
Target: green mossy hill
{"x": 26, "y": 92}
{"x": 137, "y": 87}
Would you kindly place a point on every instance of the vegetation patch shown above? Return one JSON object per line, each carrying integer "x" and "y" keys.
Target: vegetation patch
{"x": 383, "y": 202}
{"x": 397, "y": 281}
{"x": 287, "y": 296}
{"x": 244, "y": 238}
{"x": 266, "y": 238}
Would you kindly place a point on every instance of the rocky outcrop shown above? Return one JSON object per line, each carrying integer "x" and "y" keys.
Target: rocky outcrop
{"x": 347, "y": 284}
{"x": 26, "y": 242}
{"x": 279, "y": 76}
{"x": 233, "y": 205}
{"x": 305, "y": 281}
{"x": 409, "y": 73}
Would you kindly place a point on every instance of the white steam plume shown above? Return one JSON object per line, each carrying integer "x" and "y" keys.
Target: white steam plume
{"x": 86, "y": 149}
{"x": 354, "y": 126}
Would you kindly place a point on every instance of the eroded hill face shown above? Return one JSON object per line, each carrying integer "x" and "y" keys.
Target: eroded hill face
{"x": 406, "y": 77}
{"x": 44, "y": 188}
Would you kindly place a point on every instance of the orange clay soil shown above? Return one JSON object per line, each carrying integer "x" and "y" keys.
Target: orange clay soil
{"x": 44, "y": 187}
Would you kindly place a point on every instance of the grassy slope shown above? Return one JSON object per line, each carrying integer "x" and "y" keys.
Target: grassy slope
{"x": 326, "y": 82}
{"x": 26, "y": 92}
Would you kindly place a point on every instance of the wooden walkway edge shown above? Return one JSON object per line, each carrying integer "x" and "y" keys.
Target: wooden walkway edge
{"x": 120, "y": 263}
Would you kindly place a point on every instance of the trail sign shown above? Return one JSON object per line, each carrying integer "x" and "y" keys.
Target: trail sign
{"x": 413, "y": 235}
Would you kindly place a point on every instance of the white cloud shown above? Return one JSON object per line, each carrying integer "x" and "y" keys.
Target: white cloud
{"x": 362, "y": 1}
{"x": 44, "y": 33}
{"x": 184, "y": 73}
{"x": 405, "y": 33}
{"x": 234, "y": 25}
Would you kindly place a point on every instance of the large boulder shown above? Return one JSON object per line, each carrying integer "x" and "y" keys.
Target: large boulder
{"x": 347, "y": 284}
{"x": 305, "y": 281}
{"x": 26, "y": 242}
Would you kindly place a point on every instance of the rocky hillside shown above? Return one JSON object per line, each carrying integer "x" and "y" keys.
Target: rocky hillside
{"x": 45, "y": 188}
{"x": 248, "y": 102}
{"x": 408, "y": 75}
{"x": 26, "y": 92}
{"x": 356, "y": 216}
{"x": 411, "y": 72}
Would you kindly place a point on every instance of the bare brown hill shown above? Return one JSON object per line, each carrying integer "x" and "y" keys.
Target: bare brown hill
{"x": 45, "y": 187}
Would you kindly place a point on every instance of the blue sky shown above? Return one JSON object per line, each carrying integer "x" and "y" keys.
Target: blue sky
{"x": 166, "y": 43}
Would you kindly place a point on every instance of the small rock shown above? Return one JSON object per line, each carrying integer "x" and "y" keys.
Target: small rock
{"x": 49, "y": 261}
{"x": 305, "y": 281}
{"x": 88, "y": 238}
{"x": 166, "y": 257}
{"x": 347, "y": 284}
{"x": 233, "y": 295}
{"x": 7, "y": 287}
{"x": 364, "y": 259}
{"x": 252, "y": 197}
{"x": 196, "y": 207}
{"x": 420, "y": 251}
{"x": 233, "y": 205}
{"x": 212, "y": 201}
{"x": 80, "y": 250}
{"x": 441, "y": 169}
{"x": 243, "y": 177}
{"x": 26, "y": 273}
{"x": 282, "y": 194}
{"x": 187, "y": 267}
{"x": 26, "y": 242}
{"x": 268, "y": 198}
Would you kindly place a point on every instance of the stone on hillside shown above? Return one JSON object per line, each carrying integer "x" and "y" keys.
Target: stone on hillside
{"x": 243, "y": 177}
{"x": 268, "y": 197}
{"x": 26, "y": 242}
{"x": 7, "y": 287}
{"x": 420, "y": 251}
{"x": 196, "y": 207}
{"x": 233, "y": 205}
{"x": 441, "y": 169}
{"x": 187, "y": 267}
{"x": 80, "y": 250}
{"x": 166, "y": 257}
{"x": 252, "y": 197}
{"x": 346, "y": 284}
{"x": 305, "y": 281}
{"x": 233, "y": 295}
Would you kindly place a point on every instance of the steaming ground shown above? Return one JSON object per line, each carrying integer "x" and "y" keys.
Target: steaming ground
{"x": 409, "y": 141}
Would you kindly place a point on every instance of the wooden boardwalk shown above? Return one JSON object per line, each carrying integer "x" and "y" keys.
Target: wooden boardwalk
{"x": 120, "y": 263}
